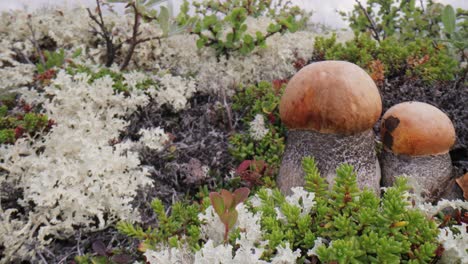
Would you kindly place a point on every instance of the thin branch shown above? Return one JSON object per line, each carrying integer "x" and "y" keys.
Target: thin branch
{"x": 34, "y": 40}
{"x": 110, "y": 47}
{"x": 373, "y": 26}
{"x": 133, "y": 40}
{"x": 149, "y": 39}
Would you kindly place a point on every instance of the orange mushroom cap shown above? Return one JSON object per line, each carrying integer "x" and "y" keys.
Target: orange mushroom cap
{"x": 417, "y": 129}
{"x": 335, "y": 97}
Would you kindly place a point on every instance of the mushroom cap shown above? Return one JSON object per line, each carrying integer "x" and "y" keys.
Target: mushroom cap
{"x": 417, "y": 129}
{"x": 333, "y": 97}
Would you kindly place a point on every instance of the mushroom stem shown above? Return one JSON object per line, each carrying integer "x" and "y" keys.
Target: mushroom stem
{"x": 329, "y": 151}
{"x": 432, "y": 173}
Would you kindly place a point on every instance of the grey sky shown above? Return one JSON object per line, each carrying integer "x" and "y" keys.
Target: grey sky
{"x": 324, "y": 11}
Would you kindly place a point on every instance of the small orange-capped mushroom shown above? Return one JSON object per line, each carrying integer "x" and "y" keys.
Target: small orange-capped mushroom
{"x": 417, "y": 129}
{"x": 417, "y": 138}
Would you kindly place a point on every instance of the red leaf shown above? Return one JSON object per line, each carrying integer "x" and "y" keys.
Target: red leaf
{"x": 240, "y": 195}
{"x": 27, "y": 108}
{"x": 278, "y": 83}
{"x": 19, "y": 132}
{"x": 227, "y": 198}
{"x": 271, "y": 118}
{"x": 243, "y": 166}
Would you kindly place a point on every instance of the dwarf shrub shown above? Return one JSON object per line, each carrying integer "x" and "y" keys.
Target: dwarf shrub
{"x": 341, "y": 224}
{"x": 256, "y": 102}
{"x": 222, "y": 25}
{"x": 418, "y": 58}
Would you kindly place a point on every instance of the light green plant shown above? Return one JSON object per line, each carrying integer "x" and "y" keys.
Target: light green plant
{"x": 182, "y": 220}
{"x": 456, "y": 29}
{"x": 456, "y": 35}
{"x": 52, "y": 59}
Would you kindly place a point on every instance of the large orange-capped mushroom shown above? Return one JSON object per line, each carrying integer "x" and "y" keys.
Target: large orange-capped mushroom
{"x": 330, "y": 108}
{"x": 417, "y": 138}
{"x": 333, "y": 97}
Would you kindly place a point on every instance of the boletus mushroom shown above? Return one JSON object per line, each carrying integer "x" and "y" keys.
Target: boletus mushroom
{"x": 417, "y": 138}
{"x": 330, "y": 108}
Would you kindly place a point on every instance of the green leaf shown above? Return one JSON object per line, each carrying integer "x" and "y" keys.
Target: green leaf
{"x": 77, "y": 53}
{"x": 248, "y": 39}
{"x": 218, "y": 203}
{"x": 273, "y": 28}
{"x": 232, "y": 218}
{"x": 449, "y": 19}
{"x": 209, "y": 21}
{"x": 163, "y": 19}
{"x": 201, "y": 42}
{"x": 99, "y": 260}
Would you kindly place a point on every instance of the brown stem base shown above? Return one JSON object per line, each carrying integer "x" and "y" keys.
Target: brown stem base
{"x": 329, "y": 152}
{"x": 429, "y": 175}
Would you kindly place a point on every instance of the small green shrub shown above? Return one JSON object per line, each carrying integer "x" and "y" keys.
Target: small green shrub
{"x": 418, "y": 58}
{"x": 222, "y": 24}
{"x": 363, "y": 227}
{"x": 182, "y": 220}
{"x": 357, "y": 226}
{"x": 261, "y": 99}
{"x": 456, "y": 34}
{"x": 404, "y": 19}
{"x": 7, "y": 136}
{"x": 52, "y": 59}
{"x": 14, "y": 126}
{"x": 269, "y": 149}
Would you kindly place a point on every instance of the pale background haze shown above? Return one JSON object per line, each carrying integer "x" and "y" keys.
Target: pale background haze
{"x": 324, "y": 11}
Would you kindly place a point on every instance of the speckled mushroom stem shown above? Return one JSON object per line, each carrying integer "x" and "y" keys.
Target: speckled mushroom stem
{"x": 432, "y": 174}
{"x": 329, "y": 151}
